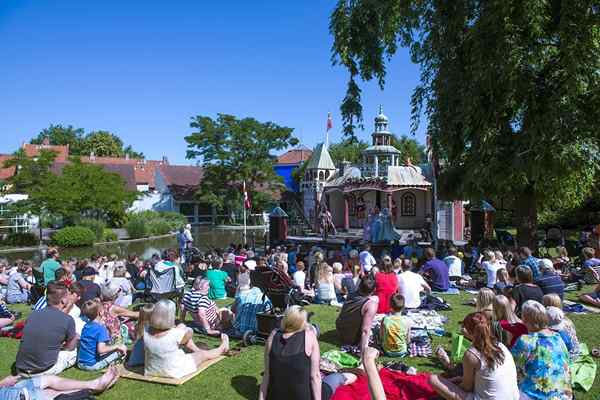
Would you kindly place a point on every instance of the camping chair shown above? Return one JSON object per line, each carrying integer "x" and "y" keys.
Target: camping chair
{"x": 162, "y": 286}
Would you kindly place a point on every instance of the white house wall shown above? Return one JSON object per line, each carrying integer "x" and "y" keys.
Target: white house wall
{"x": 423, "y": 206}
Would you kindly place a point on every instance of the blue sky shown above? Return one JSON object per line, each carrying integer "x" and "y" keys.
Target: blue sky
{"x": 141, "y": 69}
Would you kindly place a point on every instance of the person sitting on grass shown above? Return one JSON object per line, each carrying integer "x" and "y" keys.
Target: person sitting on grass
{"x": 136, "y": 358}
{"x": 484, "y": 302}
{"x": 111, "y": 314}
{"x": 325, "y": 290}
{"x": 6, "y": 317}
{"x": 436, "y": 271}
{"x": 553, "y": 300}
{"x": 18, "y": 289}
{"x": 353, "y": 324}
{"x": 542, "y": 358}
{"x": 502, "y": 281}
{"x": 592, "y": 298}
{"x": 217, "y": 279}
{"x": 395, "y": 329}
{"x": 525, "y": 288}
{"x": 207, "y": 318}
{"x": 248, "y": 303}
{"x": 589, "y": 257}
{"x": 386, "y": 285}
{"x": 291, "y": 360}
{"x": 52, "y": 386}
{"x": 166, "y": 344}
{"x": 549, "y": 280}
{"x": 49, "y": 343}
{"x": 557, "y": 323}
{"x": 506, "y": 326}
{"x": 489, "y": 370}
{"x": 120, "y": 279}
{"x": 95, "y": 352}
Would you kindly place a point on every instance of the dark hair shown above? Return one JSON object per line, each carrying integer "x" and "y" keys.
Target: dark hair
{"x": 81, "y": 264}
{"x": 524, "y": 274}
{"x": 429, "y": 253}
{"x": 55, "y": 292}
{"x": 132, "y": 257}
{"x": 397, "y": 302}
{"x": 452, "y": 251}
{"x": 60, "y": 273}
{"x": 478, "y": 325}
{"x": 77, "y": 288}
{"x": 91, "y": 309}
{"x": 366, "y": 286}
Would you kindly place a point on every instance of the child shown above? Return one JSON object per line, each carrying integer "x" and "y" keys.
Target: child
{"x": 137, "y": 357}
{"x": 484, "y": 302}
{"x": 395, "y": 329}
{"x": 502, "y": 281}
{"x": 94, "y": 352}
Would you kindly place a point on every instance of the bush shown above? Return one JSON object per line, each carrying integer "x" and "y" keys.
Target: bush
{"x": 136, "y": 228}
{"x": 21, "y": 239}
{"x": 74, "y": 236}
{"x": 97, "y": 226}
{"x": 109, "y": 236}
{"x": 159, "y": 227}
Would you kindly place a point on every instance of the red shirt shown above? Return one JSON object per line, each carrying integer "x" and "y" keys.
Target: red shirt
{"x": 386, "y": 285}
{"x": 515, "y": 330}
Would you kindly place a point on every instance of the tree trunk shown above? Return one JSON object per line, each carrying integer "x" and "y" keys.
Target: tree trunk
{"x": 526, "y": 218}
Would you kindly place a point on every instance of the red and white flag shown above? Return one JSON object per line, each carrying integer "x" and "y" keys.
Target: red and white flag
{"x": 329, "y": 121}
{"x": 247, "y": 203}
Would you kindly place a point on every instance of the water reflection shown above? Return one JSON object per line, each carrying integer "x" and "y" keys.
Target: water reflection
{"x": 205, "y": 238}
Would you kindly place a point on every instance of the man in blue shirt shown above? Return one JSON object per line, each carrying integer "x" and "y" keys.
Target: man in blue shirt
{"x": 437, "y": 270}
{"x": 549, "y": 281}
{"x": 247, "y": 304}
{"x": 529, "y": 261}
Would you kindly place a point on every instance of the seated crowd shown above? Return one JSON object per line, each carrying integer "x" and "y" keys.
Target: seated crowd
{"x": 522, "y": 344}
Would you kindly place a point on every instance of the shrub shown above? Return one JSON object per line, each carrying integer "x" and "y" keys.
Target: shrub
{"x": 109, "y": 235}
{"x": 74, "y": 236}
{"x": 174, "y": 219}
{"x": 159, "y": 227}
{"x": 136, "y": 228}
{"x": 96, "y": 225}
{"x": 21, "y": 239}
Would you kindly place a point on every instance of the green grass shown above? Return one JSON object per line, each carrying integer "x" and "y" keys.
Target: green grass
{"x": 238, "y": 377}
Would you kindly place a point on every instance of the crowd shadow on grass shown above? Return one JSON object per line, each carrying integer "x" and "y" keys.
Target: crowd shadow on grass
{"x": 246, "y": 386}
{"x": 330, "y": 337}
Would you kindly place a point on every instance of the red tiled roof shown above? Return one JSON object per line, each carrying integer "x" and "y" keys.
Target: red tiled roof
{"x": 181, "y": 175}
{"x": 144, "y": 169}
{"x": 126, "y": 172}
{"x": 5, "y": 173}
{"x": 33, "y": 150}
{"x": 294, "y": 156}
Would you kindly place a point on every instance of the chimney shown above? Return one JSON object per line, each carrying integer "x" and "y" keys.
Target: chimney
{"x": 46, "y": 141}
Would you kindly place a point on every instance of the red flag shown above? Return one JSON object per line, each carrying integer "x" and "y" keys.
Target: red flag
{"x": 247, "y": 203}
{"x": 329, "y": 121}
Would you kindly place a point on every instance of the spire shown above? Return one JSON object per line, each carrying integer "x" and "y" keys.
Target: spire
{"x": 381, "y": 109}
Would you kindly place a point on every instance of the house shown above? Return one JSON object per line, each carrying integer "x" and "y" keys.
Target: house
{"x": 288, "y": 162}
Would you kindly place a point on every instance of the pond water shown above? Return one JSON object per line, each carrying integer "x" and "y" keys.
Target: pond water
{"x": 205, "y": 238}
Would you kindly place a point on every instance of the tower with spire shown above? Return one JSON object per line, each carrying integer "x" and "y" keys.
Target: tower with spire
{"x": 381, "y": 154}
{"x": 319, "y": 169}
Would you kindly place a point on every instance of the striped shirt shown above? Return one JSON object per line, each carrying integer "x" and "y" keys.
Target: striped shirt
{"x": 193, "y": 301}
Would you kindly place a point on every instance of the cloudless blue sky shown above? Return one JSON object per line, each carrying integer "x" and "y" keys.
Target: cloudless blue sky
{"x": 141, "y": 69}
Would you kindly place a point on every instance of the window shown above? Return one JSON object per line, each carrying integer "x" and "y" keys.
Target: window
{"x": 187, "y": 209}
{"x": 409, "y": 205}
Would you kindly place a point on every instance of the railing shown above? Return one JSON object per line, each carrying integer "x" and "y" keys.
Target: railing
{"x": 16, "y": 224}
{"x": 369, "y": 170}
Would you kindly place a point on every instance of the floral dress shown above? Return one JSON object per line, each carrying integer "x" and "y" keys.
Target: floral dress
{"x": 542, "y": 362}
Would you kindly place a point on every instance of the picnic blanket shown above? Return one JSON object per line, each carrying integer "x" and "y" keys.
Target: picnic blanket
{"x": 430, "y": 320}
{"x": 397, "y": 386}
{"x": 137, "y": 373}
{"x": 587, "y": 307}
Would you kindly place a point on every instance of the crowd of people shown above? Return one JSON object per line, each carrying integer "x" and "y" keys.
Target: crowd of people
{"x": 84, "y": 316}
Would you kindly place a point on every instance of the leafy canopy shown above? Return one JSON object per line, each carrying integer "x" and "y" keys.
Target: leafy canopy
{"x": 510, "y": 88}
{"x": 101, "y": 143}
{"x": 232, "y": 151}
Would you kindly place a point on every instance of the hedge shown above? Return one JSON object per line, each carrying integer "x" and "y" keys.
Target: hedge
{"x": 74, "y": 236}
{"x": 109, "y": 235}
{"x": 97, "y": 226}
{"x": 21, "y": 239}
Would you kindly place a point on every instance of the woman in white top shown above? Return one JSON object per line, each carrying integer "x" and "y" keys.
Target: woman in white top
{"x": 489, "y": 371}
{"x": 325, "y": 291}
{"x": 491, "y": 267}
{"x": 165, "y": 345}
{"x": 120, "y": 279}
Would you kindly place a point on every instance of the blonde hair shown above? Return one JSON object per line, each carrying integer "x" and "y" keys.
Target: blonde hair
{"x": 503, "y": 310}
{"x": 324, "y": 271}
{"x": 485, "y": 298}
{"x": 294, "y": 319}
{"x": 535, "y": 315}
{"x": 552, "y": 300}
{"x": 499, "y": 256}
{"x": 163, "y": 315}
{"x": 502, "y": 273}
{"x": 489, "y": 255}
{"x": 143, "y": 320}
{"x": 337, "y": 267}
{"x": 562, "y": 251}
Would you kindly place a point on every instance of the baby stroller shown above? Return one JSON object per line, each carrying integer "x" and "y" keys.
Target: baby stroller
{"x": 279, "y": 288}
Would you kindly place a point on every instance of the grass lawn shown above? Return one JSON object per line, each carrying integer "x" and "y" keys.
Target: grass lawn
{"x": 239, "y": 377}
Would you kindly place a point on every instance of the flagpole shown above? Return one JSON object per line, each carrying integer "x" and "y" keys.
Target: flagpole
{"x": 244, "y": 208}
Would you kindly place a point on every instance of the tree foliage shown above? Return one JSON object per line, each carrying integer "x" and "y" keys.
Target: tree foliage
{"x": 101, "y": 143}
{"x": 510, "y": 89}
{"x": 347, "y": 150}
{"x": 232, "y": 151}
{"x": 410, "y": 149}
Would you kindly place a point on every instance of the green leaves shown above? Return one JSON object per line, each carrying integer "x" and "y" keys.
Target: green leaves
{"x": 232, "y": 151}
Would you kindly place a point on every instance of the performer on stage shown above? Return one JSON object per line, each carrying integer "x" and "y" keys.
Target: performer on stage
{"x": 360, "y": 210}
{"x": 326, "y": 222}
{"x": 385, "y": 231}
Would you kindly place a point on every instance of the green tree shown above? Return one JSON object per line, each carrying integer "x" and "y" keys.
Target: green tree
{"x": 347, "y": 150}
{"x": 60, "y": 135}
{"x": 410, "y": 148}
{"x": 510, "y": 89}
{"x": 102, "y": 144}
{"x": 232, "y": 151}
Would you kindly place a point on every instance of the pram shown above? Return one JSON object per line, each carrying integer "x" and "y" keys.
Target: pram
{"x": 279, "y": 288}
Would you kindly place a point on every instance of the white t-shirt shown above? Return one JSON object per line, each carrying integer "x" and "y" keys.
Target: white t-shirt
{"x": 75, "y": 313}
{"x": 165, "y": 358}
{"x": 499, "y": 383}
{"x": 454, "y": 265}
{"x": 410, "y": 286}
{"x": 490, "y": 270}
{"x": 367, "y": 261}
{"x": 299, "y": 278}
